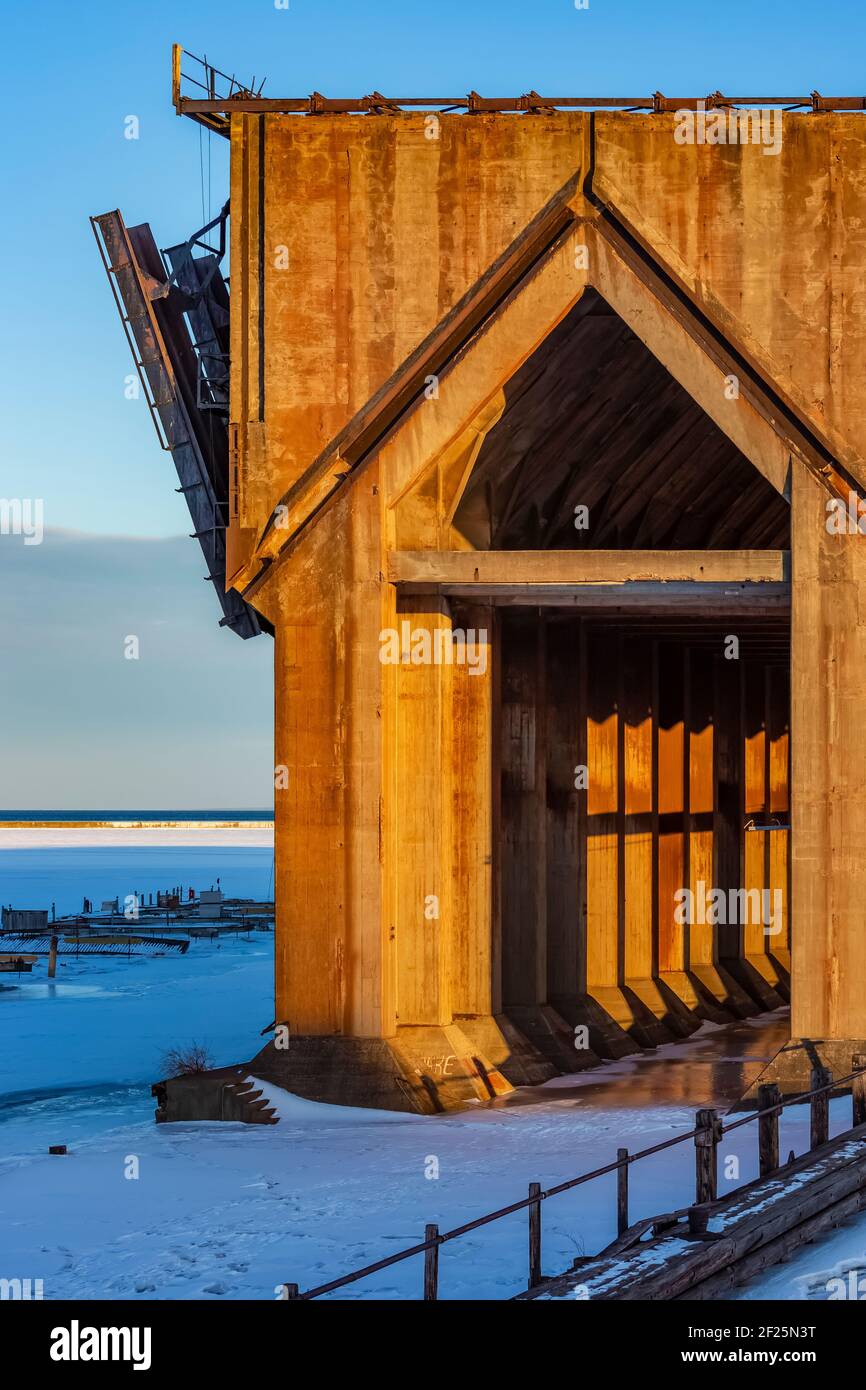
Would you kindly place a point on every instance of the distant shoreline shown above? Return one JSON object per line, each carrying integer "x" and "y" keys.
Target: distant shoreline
{"x": 138, "y": 815}
{"x": 105, "y": 834}
{"x": 136, "y": 825}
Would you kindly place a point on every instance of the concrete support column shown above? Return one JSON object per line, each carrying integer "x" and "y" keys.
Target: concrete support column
{"x": 657, "y": 1017}
{"x": 496, "y": 1051}
{"x": 439, "y": 858}
{"x": 755, "y": 798}
{"x": 332, "y": 959}
{"x": 828, "y": 765}
{"x": 472, "y": 805}
{"x": 602, "y": 804}
{"x": 828, "y": 791}
{"x": 564, "y": 925}
{"x": 637, "y": 771}
{"x": 671, "y": 828}
{"x": 701, "y": 802}
{"x": 309, "y": 813}
{"x": 523, "y": 852}
{"x": 761, "y": 857}
{"x": 712, "y": 754}
{"x": 424, "y": 767}
{"x": 566, "y": 791}
{"x": 779, "y": 841}
{"x": 728, "y": 850}
{"x": 604, "y": 1007}
{"x": 524, "y": 814}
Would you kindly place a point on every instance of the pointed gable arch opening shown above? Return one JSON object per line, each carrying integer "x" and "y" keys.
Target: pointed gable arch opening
{"x": 598, "y": 446}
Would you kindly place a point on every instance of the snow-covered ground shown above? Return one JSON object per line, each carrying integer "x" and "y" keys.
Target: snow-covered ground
{"x": 220, "y": 1211}
{"x": 834, "y": 1269}
{"x": 232, "y": 1211}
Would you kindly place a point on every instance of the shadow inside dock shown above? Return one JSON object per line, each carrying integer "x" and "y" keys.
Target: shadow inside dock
{"x": 714, "y": 1068}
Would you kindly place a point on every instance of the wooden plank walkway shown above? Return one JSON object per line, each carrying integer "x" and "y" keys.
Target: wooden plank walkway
{"x": 668, "y": 1257}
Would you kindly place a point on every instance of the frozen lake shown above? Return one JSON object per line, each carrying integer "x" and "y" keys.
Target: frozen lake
{"x": 38, "y": 877}
{"x": 78, "y": 1053}
{"x": 229, "y": 1211}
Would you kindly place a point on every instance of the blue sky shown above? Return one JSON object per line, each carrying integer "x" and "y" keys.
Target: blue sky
{"x": 86, "y": 727}
{"x": 69, "y": 435}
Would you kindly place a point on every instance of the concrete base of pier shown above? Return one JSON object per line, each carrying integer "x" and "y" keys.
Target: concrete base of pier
{"x": 791, "y": 1068}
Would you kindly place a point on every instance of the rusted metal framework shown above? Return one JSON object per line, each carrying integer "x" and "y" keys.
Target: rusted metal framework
{"x": 175, "y": 315}
{"x": 223, "y": 95}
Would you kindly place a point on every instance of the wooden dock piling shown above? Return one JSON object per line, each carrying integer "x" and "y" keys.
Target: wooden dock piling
{"x": 535, "y": 1236}
{"x": 858, "y": 1089}
{"x": 819, "y": 1128}
{"x": 706, "y": 1155}
{"x": 431, "y": 1265}
{"x": 622, "y": 1192}
{"x": 769, "y": 1096}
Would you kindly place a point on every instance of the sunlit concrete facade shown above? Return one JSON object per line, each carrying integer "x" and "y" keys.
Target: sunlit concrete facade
{"x": 584, "y": 393}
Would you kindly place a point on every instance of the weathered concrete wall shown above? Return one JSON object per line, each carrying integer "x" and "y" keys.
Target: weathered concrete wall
{"x": 772, "y": 244}
{"x": 369, "y": 232}
{"x": 351, "y": 237}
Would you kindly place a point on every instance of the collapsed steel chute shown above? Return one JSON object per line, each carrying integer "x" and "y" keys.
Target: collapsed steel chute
{"x": 176, "y": 318}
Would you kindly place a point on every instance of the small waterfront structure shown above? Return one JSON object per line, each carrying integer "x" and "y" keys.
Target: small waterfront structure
{"x": 541, "y": 457}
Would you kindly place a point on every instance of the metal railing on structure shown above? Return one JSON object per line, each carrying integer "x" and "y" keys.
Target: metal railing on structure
{"x": 217, "y": 94}
{"x": 708, "y": 1131}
